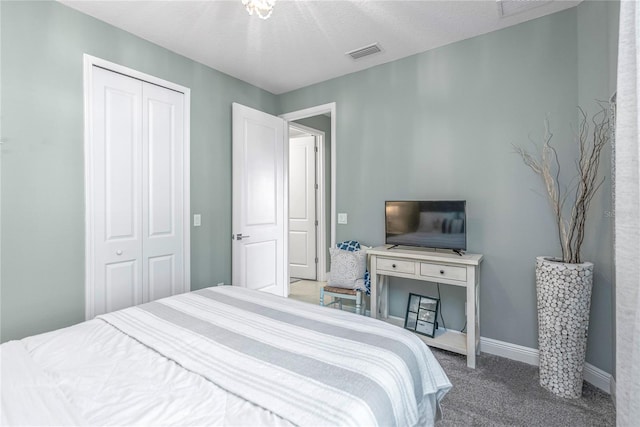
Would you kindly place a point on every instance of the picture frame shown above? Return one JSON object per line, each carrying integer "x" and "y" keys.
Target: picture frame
{"x": 422, "y": 314}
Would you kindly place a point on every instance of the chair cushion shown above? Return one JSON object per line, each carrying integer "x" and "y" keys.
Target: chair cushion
{"x": 346, "y": 267}
{"x": 342, "y": 291}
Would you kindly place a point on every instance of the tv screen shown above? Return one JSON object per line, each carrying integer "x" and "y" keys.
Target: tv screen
{"x": 431, "y": 224}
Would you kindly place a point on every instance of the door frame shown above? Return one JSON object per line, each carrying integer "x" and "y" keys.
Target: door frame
{"x": 321, "y": 198}
{"x": 303, "y": 114}
{"x": 89, "y": 62}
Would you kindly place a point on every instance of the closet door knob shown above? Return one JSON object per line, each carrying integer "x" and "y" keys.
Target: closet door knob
{"x": 119, "y": 252}
{"x": 393, "y": 265}
{"x": 441, "y": 271}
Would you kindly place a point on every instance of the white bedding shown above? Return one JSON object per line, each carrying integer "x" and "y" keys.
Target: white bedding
{"x": 94, "y": 374}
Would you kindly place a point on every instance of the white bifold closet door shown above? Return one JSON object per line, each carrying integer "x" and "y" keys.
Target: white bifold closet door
{"x": 136, "y": 206}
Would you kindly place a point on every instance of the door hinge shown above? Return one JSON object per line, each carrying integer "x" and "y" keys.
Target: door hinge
{"x": 316, "y": 186}
{"x": 316, "y": 148}
{"x": 316, "y": 260}
{"x": 316, "y": 222}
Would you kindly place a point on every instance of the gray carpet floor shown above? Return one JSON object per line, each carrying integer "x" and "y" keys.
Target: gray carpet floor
{"x": 503, "y": 392}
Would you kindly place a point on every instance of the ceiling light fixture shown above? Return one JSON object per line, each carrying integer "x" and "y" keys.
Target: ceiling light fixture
{"x": 262, "y": 8}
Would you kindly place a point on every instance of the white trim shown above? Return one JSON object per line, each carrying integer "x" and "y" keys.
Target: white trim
{"x": 510, "y": 351}
{"x": 316, "y": 111}
{"x": 88, "y": 187}
{"x": 593, "y": 375}
{"x": 285, "y": 201}
{"x": 597, "y": 377}
{"x": 321, "y": 200}
{"x": 612, "y": 391}
{"x": 89, "y": 62}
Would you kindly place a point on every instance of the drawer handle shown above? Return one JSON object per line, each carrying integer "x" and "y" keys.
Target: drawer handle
{"x": 441, "y": 271}
{"x": 393, "y": 265}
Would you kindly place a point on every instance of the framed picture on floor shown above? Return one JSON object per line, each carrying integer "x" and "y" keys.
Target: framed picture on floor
{"x": 422, "y": 314}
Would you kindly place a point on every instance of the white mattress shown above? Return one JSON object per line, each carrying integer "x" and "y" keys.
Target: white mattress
{"x": 92, "y": 374}
{"x": 225, "y": 348}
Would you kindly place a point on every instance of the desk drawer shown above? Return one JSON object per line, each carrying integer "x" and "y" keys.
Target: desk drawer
{"x": 408, "y": 267}
{"x": 443, "y": 271}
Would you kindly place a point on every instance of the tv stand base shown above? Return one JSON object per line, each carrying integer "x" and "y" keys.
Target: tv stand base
{"x": 437, "y": 267}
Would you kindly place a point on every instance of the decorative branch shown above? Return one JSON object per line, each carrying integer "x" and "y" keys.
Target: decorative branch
{"x": 583, "y": 187}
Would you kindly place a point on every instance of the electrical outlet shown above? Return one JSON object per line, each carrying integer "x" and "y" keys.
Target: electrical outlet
{"x": 197, "y": 220}
{"x": 342, "y": 218}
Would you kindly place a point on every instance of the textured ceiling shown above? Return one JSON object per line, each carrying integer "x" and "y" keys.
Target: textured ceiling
{"x": 304, "y": 42}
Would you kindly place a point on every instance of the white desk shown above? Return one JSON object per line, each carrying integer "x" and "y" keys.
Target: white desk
{"x": 430, "y": 266}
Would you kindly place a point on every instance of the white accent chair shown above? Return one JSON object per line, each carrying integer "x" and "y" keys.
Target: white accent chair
{"x": 338, "y": 294}
{"x": 342, "y": 293}
{"x": 346, "y": 278}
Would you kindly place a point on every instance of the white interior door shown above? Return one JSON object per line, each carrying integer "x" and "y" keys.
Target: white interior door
{"x": 259, "y": 201}
{"x": 136, "y": 192}
{"x": 163, "y": 190}
{"x": 302, "y": 208}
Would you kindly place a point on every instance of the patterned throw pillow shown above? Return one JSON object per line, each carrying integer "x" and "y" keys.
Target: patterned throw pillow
{"x": 346, "y": 267}
{"x": 349, "y": 245}
{"x": 354, "y": 245}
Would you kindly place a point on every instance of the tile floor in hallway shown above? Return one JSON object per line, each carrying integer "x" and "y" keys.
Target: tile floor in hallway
{"x": 306, "y": 291}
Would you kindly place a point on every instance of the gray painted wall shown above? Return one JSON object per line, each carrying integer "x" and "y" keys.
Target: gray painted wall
{"x": 42, "y": 157}
{"x": 439, "y": 125}
{"x": 597, "y": 66}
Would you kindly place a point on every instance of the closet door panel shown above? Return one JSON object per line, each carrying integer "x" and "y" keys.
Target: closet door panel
{"x": 117, "y": 200}
{"x": 163, "y": 187}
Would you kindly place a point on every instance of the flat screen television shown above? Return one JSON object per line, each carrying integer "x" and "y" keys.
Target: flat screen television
{"x": 440, "y": 224}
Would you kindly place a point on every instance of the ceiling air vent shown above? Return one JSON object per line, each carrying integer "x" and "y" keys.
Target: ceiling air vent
{"x": 513, "y": 7}
{"x": 365, "y": 51}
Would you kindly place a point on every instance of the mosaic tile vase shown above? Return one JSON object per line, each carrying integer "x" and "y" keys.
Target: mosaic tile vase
{"x": 564, "y": 300}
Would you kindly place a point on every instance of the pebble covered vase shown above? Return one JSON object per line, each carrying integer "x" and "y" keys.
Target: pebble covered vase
{"x": 564, "y": 300}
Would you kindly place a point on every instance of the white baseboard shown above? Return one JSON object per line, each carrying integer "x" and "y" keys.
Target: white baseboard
{"x": 597, "y": 377}
{"x": 593, "y": 375}
{"x": 510, "y": 351}
{"x": 613, "y": 391}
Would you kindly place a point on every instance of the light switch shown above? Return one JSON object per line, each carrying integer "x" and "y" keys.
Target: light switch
{"x": 342, "y": 218}
{"x": 197, "y": 220}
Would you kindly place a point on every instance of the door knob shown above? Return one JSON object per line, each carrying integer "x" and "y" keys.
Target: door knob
{"x": 119, "y": 252}
{"x": 441, "y": 271}
{"x": 239, "y": 236}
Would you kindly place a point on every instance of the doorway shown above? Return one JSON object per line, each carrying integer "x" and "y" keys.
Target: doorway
{"x": 321, "y": 122}
{"x": 307, "y": 201}
{"x": 260, "y": 150}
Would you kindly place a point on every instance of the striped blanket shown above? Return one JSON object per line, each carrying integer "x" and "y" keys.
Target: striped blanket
{"x": 310, "y": 365}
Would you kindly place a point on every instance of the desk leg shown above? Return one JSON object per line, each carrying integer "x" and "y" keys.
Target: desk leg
{"x": 477, "y": 315}
{"x": 373, "y": 272}
{"x": 385, "y": 297}
{"x": 472, "y": 323}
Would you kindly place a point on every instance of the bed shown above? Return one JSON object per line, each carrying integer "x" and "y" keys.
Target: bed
{"x": 222, "y": 356}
